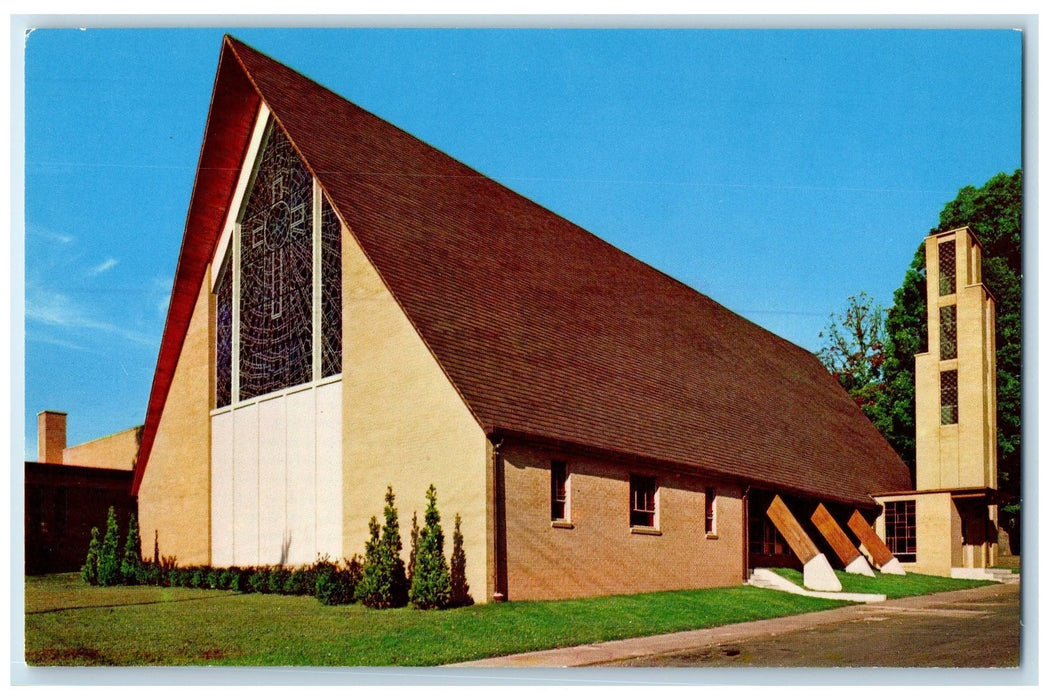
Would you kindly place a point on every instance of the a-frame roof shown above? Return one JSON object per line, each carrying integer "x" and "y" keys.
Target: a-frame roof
{"x": 545, "y": 330}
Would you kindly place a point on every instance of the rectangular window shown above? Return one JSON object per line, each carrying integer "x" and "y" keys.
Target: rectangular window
{"x": 642, "y": 501}
{"x": 948, "y": 332}
{"x": 710, "y": 512}
{"x": 947, "y": 268}
{"x": 900, "y": 530}
{"x": 949, "y": 397}
{"x": 558, "y": 491}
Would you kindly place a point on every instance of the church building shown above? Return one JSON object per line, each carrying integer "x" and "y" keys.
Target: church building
{"x": 353, "y": 309}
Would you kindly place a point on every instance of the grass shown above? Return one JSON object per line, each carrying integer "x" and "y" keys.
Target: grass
{"x": 892, "y": 586}
{"x": 70, "y": 623}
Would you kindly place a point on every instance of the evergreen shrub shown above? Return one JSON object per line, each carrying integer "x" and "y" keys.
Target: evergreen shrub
{"x": 431, "y": 584}
{"x": 109, "y": 558}
{"x": 460, "y": 588}
{"x": 89, "y": 572}
{"x": 131, "y": 564}
{"x": 383, "y": 582}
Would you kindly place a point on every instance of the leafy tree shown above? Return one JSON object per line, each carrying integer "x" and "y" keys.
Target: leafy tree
{"x": 383, "y": 583}
{"x": 994, "y": 213}
{"x": 460, "y": 588}
{"x": 131, "y": 565}
{"x": 89, "y": 572}
{"x": 431, "y": 585}
{"x": 108, "y": 558}
{"x": 854, "y": 352}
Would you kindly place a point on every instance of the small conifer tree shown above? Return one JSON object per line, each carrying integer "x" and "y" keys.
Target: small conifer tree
{"x": 413, "y": 552}
{"x": 131, "y": 565}
{"x": 89, "y": 572}
{"x": 384, "y": 584}
{"x": 431, "y": 585}
{"x": 109, "y": 557}
{"x": 460, "y": 588}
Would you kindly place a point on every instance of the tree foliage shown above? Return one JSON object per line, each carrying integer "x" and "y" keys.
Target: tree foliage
{"x": 109, "y": 556}
{"x": 853, "y": 350}
{"x": 431, "y": 584}
{"x": 89, "y": 572}
{"x": 994, "y": 213}
{"x": 131, "y": 564}
{"x": 383, "y": 582}
{"x": 460, "y": 588}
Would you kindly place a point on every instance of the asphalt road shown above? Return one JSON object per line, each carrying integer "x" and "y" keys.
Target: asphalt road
{"x": 908, "y": 633}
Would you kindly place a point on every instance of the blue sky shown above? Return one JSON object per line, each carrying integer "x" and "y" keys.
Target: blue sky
{"x": 778, "y": 172}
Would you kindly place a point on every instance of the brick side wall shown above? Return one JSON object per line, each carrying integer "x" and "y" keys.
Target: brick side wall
{"x": 117, "y": 451}
{"x": 599, "y": 554}
{"x": 174, "y": 497}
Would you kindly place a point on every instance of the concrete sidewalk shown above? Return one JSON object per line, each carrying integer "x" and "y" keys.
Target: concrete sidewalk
{"x": 609, "y": 652}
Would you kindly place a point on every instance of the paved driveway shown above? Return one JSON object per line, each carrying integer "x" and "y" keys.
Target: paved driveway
{"x": 975, "y": 628}
{"x": 982, "y": 633}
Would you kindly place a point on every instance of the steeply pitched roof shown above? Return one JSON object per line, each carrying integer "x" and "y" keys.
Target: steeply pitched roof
{"x": 544, "y": 329}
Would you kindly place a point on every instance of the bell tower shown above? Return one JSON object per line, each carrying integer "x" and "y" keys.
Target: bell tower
{"x": 949, "y": 522}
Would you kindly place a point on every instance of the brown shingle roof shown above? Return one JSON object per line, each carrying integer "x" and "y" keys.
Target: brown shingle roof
{"x": 545, "y": 329}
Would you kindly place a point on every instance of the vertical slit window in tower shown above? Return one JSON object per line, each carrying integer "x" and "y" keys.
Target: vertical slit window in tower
{"x": 948, "y": 332}
{"x": 224, "y": 335}
{"x": 947, "y": 268}
{"x": 901, "y": 530}
{"x": 949, "y": 397}
{"x": 331, "y": 291}
{"x": 558, "y": 490}
{"x": 276, "y": 273}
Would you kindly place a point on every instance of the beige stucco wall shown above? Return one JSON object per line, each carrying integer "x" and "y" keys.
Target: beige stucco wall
{"x": 599, "y": 554}
{"x": 174, "y": 496}
{"x": 404, "y": 425}
{"x": 117, "y": 451}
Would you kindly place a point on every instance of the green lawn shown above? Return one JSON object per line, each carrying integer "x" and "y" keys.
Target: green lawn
{"x": 892, "y": 586}
{"x": 70, "y": 623}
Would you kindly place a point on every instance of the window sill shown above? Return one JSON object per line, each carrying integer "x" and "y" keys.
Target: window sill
{"x": 712, "y": 535}
{"x": 643, "y": 530}
{"x": 562, "y": 524}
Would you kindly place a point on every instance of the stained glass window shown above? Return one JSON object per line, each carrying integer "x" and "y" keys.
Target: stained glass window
{"x": 268, "y": 286}
{"x": 224, "y": 335}
{"x": 276, "y": 269}
{"x": 948, "y": 332}
{"x": 331, "y": 291}
{"x": 947, "y": 268}
{"x": 949, "y": 397}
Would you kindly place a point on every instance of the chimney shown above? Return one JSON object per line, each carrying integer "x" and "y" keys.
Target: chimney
{"x": 51, "y": 436}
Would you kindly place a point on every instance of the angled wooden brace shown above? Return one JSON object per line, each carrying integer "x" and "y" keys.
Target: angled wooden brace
{"x": 844, "y": 549}
{"x": 883, "y": 557}
{"x": 819, "y": 576}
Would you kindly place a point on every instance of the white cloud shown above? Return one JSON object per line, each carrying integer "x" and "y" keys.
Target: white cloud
{"x": 99, "y": 269}
{"x": 57, "y": 310}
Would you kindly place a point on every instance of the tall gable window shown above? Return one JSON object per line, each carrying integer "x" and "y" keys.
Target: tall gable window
{"x": 278, "y": 297}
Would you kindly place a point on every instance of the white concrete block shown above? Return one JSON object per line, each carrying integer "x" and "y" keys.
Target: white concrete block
{"x": 859, "y": 566}
{"x": 893, "y": 566}
{"x": 819, "y": 576}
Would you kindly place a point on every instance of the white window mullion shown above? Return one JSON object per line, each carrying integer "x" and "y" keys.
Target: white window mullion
{"x": 317, "y": 335}
{"x": 234, "y": 374}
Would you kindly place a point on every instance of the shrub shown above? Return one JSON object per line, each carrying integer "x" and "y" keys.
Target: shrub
{"x": 413, "y": 549}
{"x": 132, "y": 561}
{"x": 275, "y": 578}
{"x": 89, "y": 572}
{"x": 213, "y": 578}
{"x": 460, "y": 588}
{"x": 149, "y": 574}
{"x": 108, "y": 558}
{"x": 334, "y": 585}
{"x": 258, "y": 580}
{"x": 198, "y": 577}
{"x": 431, "y": 585}
{"x": 383, "y": 582}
